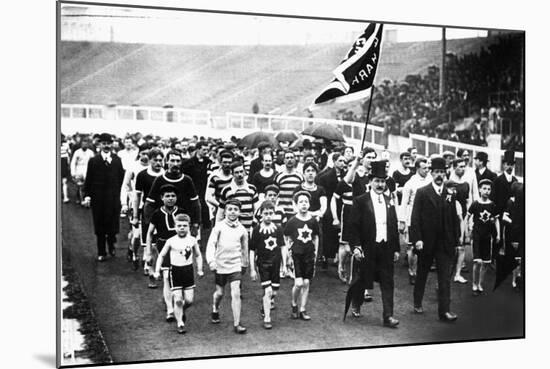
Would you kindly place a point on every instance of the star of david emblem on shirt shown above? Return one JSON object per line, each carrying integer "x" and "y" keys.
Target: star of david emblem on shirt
{"x": 270, "y": 243}
{"x": 484, "y": 216}
{"x": 304, "y": 234}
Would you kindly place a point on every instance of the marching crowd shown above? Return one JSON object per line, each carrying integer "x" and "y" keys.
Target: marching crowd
{"x": 282, "y": 212}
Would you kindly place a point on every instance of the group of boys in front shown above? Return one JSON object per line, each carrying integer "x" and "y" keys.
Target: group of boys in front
{"x": 272, "y": 219}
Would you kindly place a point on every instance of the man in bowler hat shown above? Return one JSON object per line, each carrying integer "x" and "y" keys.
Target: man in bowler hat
{"x": 104, "y": 177}
{"x": 482, "y": 172}
{"x": 375, "y": 239}
{"x": 435, "y": 232}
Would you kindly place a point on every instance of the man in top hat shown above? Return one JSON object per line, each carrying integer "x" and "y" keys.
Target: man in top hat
{"x": 375, "y": 241}
{"x": 101, "y": 191}
{"x": 482, "y": 172}
{"x": 435, "y": 232}
{"x": 502, "y": 187}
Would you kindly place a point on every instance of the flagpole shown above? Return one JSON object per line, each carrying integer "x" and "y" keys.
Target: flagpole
{"x": 367, "y": 120}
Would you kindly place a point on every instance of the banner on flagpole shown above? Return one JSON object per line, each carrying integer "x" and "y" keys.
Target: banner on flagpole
{"x": 354, "y": 76}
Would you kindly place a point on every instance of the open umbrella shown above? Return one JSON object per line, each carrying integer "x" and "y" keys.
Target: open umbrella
{"x": 324, "y": 130}
{"x": 253, "y": 139}
{"x": 288, "y": 136}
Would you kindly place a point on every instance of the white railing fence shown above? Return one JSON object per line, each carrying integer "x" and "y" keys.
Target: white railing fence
{"x": 428, "y": 146}
{"x": 242, "y": 123}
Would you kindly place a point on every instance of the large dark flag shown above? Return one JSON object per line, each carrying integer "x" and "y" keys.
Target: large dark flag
{"x": 354, "y": 76}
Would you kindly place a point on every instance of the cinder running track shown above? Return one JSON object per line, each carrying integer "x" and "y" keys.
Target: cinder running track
{"x": 131, "y": 316}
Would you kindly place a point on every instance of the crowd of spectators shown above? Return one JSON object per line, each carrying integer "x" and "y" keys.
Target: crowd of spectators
{"x": 482, "y": 97}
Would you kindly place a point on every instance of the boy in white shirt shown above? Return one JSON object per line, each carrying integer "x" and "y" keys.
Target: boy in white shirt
{"x": 227, "y": 256}
{"x": 181, "y": 247}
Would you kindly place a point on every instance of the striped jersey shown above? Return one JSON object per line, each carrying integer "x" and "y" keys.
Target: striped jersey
{"x": 218, "y": 181}
{"x": 213, "y": 167}
{"x": 247, "y": 195}
{"x": 288, "y": 183}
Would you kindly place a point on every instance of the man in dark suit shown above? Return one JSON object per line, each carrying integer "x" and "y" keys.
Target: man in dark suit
{"x": 104, "y": 177}
{"x": 482, "y": 172}
{"x": 502, "y": 185}
{"x": 502, "y": 190}
{"x": 435, "y": 232}
{"x": 375, "y": 239}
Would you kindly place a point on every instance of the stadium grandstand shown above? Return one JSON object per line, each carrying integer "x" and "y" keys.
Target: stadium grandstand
{"x": 483, "y": 94}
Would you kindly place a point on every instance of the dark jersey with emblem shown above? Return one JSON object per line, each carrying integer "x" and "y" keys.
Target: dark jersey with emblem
{"x": 484, "y": 216}
{"x": 302, "y": 233}
{"x": 266, "y": 243}
{"x": 164, "y": 222}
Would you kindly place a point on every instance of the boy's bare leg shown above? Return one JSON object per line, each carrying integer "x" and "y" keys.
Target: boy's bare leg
{"x": 268, "y": 293}
{"x": 217, "y": 298}
{"x": 167, "y": 294}
{"x": 178, "y": 307}
{"x": 482, "y": 269}
{"x": 412, "y": 260}
{"x": 65, "y": 190}
{"x": 305, "y": 293}
{"x": 459, "y": 261}
{"x": 236, "y": 302}
{"x": 476, "y": 274}
{"x": 296, "y": 290}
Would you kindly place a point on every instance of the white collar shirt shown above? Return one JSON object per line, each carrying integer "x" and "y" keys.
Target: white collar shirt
{"x": 379, "y": 205}
{"x": 106, "y": 157}
{"x": 437, "y": 188}
{"x": 508, "y": 177}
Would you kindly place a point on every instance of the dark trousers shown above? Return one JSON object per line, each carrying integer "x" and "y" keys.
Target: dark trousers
{"x": 101, "y": 238}
{"x": 379, "y": 268}
{"x": 444, "y": 264}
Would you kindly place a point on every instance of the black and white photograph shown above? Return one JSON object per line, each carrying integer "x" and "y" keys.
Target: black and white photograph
{"x": 236, "y": 184}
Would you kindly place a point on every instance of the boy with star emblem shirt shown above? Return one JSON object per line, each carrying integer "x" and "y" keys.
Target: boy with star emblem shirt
{"x": 265, "y": 245}
{"x": 302, "y": 235}
{"x": 485, "y": 227}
